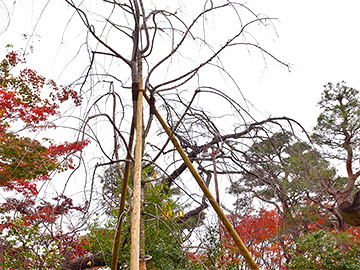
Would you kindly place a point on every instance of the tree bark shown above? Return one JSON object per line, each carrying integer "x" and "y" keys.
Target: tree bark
{"x": 83, "y": 262}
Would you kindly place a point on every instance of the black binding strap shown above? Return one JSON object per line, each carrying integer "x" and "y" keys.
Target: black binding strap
{"x": 135, "y": 91}
{"x": 152, "y": 104}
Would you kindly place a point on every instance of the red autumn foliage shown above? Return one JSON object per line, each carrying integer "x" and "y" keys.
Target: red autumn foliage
{"x": 22, "y": 106}
{"x": 27, "y": 103}
{"x": 268, "y": 236}
{"x": 259, "y": 231}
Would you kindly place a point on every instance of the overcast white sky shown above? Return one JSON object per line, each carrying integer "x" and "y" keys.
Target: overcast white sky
{"x": 319, "y": 38}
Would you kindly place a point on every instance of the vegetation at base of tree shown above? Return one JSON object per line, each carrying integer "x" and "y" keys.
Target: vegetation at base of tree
{"x": 326, "y": 250}
{"x": 164, "y": 230}
{"x": 25, "y": 246}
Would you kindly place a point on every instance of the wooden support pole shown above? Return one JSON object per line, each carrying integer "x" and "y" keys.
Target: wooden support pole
{"x": 244, "y": 251}
{"x": 116, "y": 243}
{"x": 136, "y": 204}
{"x": 213, "y": 156}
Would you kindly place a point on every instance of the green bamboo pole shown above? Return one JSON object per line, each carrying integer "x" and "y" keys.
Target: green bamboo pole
{"x": 136, "y": 204}
{"x": 116, "y": 243}
{"x": 244, "y": 251}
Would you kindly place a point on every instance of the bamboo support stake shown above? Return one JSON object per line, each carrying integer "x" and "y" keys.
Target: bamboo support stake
{"x": 244, "y": 251}
{"x": 116, "y": 243}
{"x": 135, "y": 214}
{"x": 142, "y": 227}
{"x": 213, "y": 156}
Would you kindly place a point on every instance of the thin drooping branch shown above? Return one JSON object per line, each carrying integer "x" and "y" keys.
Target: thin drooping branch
{"x": 190, "y": 74}
{"x": 115, "y": 128}
{"x": 91, "y": 29}
{"x": 185, "y": 35}
{"x": 195, "y": 212}
{"x": 221, "y": 139}
{"x": 175, "y": 127}
{"x": 175, "y": 174}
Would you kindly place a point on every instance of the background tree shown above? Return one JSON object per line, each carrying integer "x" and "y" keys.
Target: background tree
{"x": 301, "y": 182}
{"x": 30, "y": 236}
{"x": 272, "y": 249}
{"x": 340, "y": 119}
{"x": 320, "y": 250}
{"x": 258, "y": 229}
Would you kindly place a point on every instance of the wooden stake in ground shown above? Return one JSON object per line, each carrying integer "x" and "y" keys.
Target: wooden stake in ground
{"x": 136, "y": 204}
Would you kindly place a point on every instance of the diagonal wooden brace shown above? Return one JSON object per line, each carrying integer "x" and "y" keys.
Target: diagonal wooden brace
{"x": 240, "y": 244}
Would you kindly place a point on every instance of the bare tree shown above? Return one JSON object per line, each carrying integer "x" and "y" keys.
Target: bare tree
{"x": 176, "y": 55}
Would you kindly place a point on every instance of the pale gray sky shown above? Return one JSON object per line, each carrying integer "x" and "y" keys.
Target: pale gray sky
{"x": 318, "y": 38}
